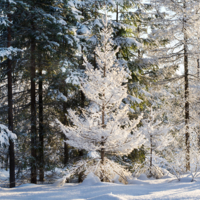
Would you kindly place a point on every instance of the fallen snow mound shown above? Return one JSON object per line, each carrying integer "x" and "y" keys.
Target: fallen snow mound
{"x": 143, "y": 177}
{"x": 91, "y": 179}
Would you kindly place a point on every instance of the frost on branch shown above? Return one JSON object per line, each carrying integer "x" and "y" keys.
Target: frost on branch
{"x": 107, "y": 130}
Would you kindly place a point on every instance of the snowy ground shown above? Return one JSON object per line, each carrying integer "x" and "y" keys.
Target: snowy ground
{"x": 166, "y": 188}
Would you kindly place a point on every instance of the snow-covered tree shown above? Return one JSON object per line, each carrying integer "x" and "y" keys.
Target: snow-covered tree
{"x": 106, "y": 129}
{"x": 6, "y": 8}
{"x": 180, "y": 28}
{"x": 157, "y": 136}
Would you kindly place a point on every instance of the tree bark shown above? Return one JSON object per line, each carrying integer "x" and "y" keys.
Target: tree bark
{"x": 10, "y": 111}
{"x": 33, "y": 113}
{"x": 41, "y": 129}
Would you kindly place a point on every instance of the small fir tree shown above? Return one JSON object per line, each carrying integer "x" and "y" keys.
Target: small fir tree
{"x": 107, "y": 129}
{"x": 157, "y": 138}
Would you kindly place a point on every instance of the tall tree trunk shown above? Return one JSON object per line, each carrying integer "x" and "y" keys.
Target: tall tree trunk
{"x": 10, "y": 112}
{"x": 95, "y": 16}
{"x": 82, "y": 99}
{"x": 33, "y": 114}
{"x": 187, "y": 116}
{"x": 41, "y": 129}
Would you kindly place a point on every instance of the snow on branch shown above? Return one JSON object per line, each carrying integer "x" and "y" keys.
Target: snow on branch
{"x": 7, "y": 52}
{"x": 6, "y": 134}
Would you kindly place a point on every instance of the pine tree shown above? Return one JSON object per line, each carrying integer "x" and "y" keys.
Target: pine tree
{"x": 6, "y": 54}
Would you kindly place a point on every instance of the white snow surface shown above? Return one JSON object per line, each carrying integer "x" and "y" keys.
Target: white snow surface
{"x": 92, "y": 189}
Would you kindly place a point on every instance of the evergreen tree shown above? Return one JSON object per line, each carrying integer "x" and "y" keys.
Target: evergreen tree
{"x": 157, "y": 137}
{"x": 46, "y": 41}
{"x": 6, "y": 53}
{"x": 106, "y": 129}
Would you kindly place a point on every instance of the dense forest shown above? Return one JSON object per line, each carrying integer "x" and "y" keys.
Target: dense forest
{"x": 103, "y": 86}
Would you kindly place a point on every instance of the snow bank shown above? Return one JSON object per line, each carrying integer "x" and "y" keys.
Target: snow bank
{"x": 158, "y": 189}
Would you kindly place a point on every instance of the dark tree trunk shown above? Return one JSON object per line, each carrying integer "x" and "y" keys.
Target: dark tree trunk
{"x": 41, "y": 129}
{"x": 66, "y": 152}
{"x": 33, "y": 114}
{"x": 187, "y": 116}
{"x": 81, "y": 153}
{"x": 10, "y": 113}
{"x": 82, "y": 99}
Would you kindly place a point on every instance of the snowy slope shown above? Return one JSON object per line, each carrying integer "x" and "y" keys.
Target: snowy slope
{"x": 168, "y": 188}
